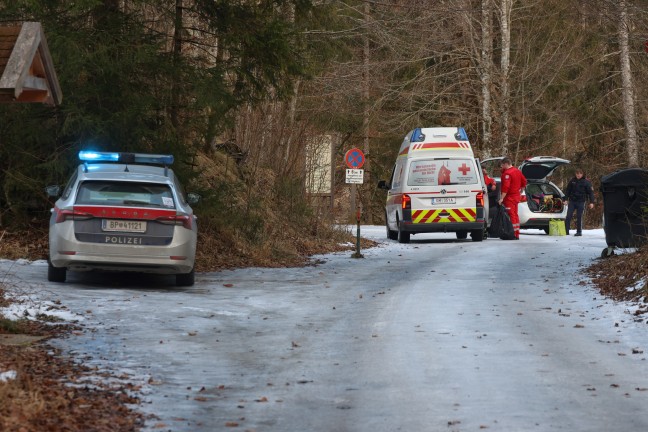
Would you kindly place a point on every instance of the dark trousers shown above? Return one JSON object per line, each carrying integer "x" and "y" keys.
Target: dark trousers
{"x": 580, "y": 209}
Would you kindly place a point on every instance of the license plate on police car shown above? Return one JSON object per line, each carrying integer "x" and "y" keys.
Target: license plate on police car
{"x": 123, "y": 225}
{"x": 443, "y": 201}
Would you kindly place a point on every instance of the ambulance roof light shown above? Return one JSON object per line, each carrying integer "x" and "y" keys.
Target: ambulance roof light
{"x": 461, "y": 134}
{"x": 417, "y": 135}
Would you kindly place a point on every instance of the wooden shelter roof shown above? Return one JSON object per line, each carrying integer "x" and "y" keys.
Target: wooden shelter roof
{"x": 26, "y": 69}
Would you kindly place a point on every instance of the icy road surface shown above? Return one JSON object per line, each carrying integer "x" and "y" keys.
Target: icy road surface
{"x": 436, "y": 335}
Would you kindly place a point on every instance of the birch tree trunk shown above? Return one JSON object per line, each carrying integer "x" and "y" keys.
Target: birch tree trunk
{"x": 486, "y": 72}
{"x": 629, "y": 114}
{"x": 365, "y": 99}
{"x": 505, "y": 23}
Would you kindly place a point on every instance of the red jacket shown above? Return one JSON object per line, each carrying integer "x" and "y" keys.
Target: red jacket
{"x": 490, "y": 182}
{"x": 512, "y": 182}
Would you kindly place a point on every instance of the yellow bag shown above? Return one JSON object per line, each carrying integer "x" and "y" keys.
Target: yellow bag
{"x": 557, "y": 227}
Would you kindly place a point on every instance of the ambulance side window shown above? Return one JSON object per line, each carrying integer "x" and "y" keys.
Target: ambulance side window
{"x": 397, "y": 175}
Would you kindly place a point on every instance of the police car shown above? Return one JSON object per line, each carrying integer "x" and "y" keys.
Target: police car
{"x": 123, "y": 212}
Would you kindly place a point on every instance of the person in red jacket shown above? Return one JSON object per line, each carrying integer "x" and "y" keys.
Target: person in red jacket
{"x": 513, "y": 181}
{"x": 491, "y": 184}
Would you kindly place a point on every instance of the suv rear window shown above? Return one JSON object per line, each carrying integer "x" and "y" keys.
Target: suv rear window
{"x": 439, "y": 172}
{"x": 125, "y": 193}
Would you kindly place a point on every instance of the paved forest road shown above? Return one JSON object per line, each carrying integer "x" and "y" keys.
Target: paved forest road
{"x": 437, "y": 335}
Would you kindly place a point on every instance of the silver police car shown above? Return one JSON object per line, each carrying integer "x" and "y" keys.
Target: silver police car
{"x": 123, "y": 212}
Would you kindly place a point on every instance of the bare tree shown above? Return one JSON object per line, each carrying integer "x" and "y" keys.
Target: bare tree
{"x": 486, "y": 70}
{"x": 629, "y": 115}
{"x": 505, "y": 25}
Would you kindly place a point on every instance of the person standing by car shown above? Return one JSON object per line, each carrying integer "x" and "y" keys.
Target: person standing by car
{"x": 513, "y": 181}
{"x": 579, "y": 190}
{"x": 491, "y": 184}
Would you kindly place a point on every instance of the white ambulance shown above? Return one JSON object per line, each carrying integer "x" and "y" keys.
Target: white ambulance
{"x": 436, "y": 186}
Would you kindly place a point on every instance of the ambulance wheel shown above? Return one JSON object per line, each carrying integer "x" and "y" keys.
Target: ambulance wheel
{"x": 462, "y": 234}
{"x": 546, "y": 230}
{"x": 391, "y": 235}
{"x": 477, "y": 235}
{"x": 403, "y": 236}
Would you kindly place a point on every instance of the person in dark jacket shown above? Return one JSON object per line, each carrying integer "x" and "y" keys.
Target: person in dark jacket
{"x": 579, "y": 190}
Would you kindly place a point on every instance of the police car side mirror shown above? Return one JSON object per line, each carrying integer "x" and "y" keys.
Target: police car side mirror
{"x": 382, "y": 184}
{"x": 53, "y": 191}
{"x": 193, "y": 198}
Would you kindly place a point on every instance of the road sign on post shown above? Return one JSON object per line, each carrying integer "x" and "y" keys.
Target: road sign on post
{"x": 354, "y": 158}
{"x": 354, "y": 176}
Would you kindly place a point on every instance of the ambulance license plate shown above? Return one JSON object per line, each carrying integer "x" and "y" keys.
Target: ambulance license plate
{"x": 113, "y": 225}
{"x": 443, "y": 200}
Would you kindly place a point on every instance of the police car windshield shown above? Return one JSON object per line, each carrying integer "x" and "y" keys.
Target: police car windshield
{"x": 125, "y": 193}
{"x": 440, "y": 172}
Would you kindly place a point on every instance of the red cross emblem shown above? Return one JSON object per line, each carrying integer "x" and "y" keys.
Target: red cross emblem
{"x": 464, "y": 169}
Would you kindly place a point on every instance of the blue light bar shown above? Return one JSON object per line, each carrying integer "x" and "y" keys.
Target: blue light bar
{"x": 92, "y": 156}
{"x": 156, "y": 159}
{"x": 461, "y": 134}
{"x": 417, "y": 135}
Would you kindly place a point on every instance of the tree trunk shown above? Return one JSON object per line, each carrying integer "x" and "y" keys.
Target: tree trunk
{"x": 365, "y": 99}
{"x": 629, "y": 114}
{"x": 505, "y": 18}
{"x": 486, "y": 61}
{"x": 177, "y": 53}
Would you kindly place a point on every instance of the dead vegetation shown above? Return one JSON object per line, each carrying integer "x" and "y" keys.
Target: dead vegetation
{"x": 41, "y": 390}
{"x": 623, "y": 277}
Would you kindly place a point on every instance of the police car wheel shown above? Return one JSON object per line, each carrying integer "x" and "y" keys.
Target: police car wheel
{"x": 56, "y": 274}
{"x": 186, "y": 279}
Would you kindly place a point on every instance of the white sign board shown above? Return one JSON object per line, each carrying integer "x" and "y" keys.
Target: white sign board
{"x": 354, "y": 176}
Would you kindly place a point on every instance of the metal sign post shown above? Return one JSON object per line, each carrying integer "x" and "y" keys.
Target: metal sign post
{"x": 357, "y": 253}
{"x": 354, "y": 160}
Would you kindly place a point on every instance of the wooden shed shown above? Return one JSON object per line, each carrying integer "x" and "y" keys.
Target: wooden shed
{"x": 26, "y": 69}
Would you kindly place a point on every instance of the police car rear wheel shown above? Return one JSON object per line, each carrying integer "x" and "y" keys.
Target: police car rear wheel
{"x": 186, "y": 279}
{"x": 56, "y": 274}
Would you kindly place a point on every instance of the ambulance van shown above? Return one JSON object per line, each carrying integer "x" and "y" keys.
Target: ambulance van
{"x": 436, "y": 186}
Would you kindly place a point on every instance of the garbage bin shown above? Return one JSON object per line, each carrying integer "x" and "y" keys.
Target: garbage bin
{"x": 625, "y": 209}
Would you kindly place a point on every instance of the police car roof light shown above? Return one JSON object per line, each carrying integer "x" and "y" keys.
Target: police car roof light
{"x": 92, "y": 156}
{"x": 156, "y": 159}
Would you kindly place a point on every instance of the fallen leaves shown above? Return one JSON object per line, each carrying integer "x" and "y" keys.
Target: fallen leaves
{"x": 623, "y": 276}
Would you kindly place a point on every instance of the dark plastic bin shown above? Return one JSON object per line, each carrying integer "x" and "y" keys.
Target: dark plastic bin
{"x": 625, "y": 209}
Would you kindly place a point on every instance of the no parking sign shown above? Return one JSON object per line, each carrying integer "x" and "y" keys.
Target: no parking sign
{"x": 354, "y": 160}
